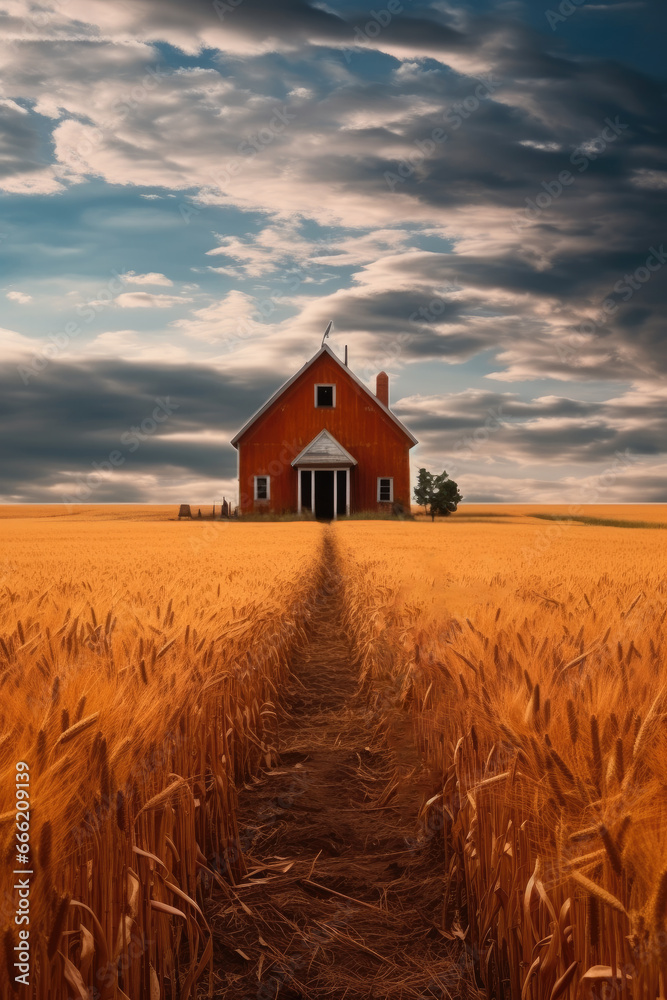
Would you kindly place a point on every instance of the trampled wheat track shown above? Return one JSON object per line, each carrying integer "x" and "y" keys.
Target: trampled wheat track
{"x": 342, "y": 897}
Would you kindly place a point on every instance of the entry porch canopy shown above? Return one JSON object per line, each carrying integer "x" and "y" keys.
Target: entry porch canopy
{"x": 323, "y": 454}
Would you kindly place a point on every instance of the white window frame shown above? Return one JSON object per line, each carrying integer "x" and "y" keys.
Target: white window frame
{"x": 268, "y": 489}
{"x": 390, "y": 479}
{"x": 327, "y": 384}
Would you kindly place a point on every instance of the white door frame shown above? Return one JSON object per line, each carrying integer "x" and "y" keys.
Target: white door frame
{"x": 313, "y": 470}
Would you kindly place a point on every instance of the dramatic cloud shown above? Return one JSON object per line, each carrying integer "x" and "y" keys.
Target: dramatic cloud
{"x": 163, "y": 420}
{"x": 467, "y": 195}
{"x": 544, "y": 429}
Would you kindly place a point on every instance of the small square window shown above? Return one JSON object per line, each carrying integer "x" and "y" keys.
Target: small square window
{"x": 261, "y": 487}
{"x": 385, "y": 490}
{"x": 325, "y": 395}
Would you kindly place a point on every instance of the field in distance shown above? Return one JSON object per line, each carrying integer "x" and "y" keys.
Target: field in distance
{"x": 93, "y": 512}
{"x": 511, "y": 513}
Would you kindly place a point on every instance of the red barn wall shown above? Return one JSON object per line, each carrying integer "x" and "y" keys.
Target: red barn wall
{"x": 277, "y": 437}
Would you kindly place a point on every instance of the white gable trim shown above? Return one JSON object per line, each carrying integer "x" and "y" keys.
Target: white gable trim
{"x": 343, "y": 456}
{"x": 325, "y": 349}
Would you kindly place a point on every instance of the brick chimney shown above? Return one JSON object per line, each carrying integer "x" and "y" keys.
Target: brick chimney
{"x": 382, "y": 388}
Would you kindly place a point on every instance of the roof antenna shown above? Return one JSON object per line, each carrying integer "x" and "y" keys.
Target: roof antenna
{"x": 327, "y": 332}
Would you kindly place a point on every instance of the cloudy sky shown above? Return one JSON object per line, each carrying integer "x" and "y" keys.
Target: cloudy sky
{"x": 474, "y": 192}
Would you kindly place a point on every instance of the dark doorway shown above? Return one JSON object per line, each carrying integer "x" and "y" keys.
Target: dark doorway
{"x": 324, "y": 495}
{"x": 306, "y": 485}
{"x": 341, "y": 492}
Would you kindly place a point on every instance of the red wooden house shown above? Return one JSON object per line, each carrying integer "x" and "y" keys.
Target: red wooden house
{"x": 324, "y": 442}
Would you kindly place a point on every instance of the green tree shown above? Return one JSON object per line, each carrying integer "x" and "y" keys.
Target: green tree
{"x": 423, "y": 489}
{"x": 436, "y": 494}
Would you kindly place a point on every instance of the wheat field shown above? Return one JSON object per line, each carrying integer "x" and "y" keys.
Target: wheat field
{"x": 142, "y": 667}
{"x": 533, "y": 665}
{"x": 139, "y": 669}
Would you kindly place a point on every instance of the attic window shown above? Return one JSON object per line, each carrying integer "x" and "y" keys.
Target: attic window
{"x": 325, "y": 396}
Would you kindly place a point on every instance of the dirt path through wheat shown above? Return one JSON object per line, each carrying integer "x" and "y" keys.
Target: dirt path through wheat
{"x": 343, "y": 895}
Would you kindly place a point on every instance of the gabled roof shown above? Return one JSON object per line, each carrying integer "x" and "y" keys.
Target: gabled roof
{"x": 324, "y": 450}
{"x": 325, "y": 349}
